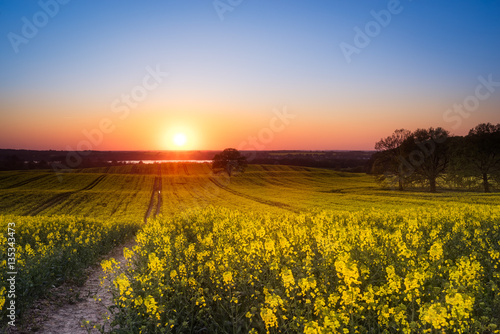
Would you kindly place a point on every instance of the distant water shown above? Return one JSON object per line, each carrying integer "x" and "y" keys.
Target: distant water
{"x": 160, "y": 161}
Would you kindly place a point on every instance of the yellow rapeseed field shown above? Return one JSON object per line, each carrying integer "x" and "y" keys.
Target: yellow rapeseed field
{"x": 217, "y": 270}
{"x": 277, "y": 249}
{"x": 49, "y": 250}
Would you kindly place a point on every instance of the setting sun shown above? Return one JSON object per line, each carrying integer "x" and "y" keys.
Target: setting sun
{"x": 180, "y": 139}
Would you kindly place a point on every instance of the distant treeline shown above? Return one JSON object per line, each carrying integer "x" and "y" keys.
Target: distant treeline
{"x": 348, "y": 161}
{"x": 80, "y": 159}
{"x": 57, "y": 160}
{"x": 353, "y": 161}
{"x": 431, "y": 158}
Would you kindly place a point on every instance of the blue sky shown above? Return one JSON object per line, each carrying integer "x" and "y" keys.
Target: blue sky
{"x": 229, "y": 74}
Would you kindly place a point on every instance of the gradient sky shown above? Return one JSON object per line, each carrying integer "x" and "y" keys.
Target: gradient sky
{"x": 228, "y": 78}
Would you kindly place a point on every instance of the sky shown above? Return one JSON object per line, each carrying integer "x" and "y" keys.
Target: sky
{"x": 249, "y": 74}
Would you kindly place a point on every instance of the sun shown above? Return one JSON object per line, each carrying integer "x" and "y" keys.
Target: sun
{"x": 180, "y": 139}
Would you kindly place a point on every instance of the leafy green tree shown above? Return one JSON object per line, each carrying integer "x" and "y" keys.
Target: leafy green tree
{"x": 387, "y": 160}
{"x": 459, "y": 173}
{"x": 427, "y": 152}
{"x": 481, "y": 152}
{"x": 229, "y": 160}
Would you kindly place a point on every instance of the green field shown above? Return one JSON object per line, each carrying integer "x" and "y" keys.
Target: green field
{"x": 275, "y": 249}
{"x": 125, "y": 191}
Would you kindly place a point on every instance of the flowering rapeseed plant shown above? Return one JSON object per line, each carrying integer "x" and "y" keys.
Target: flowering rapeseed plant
{"x": 410, "y": 271}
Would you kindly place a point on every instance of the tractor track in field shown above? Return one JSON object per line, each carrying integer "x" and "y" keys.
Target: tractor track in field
{"x": 93, "y": 183}
{"x": 59, "y": 198}
{"x": 155, "y": 193}
{"x": 186, "y": 169}
{"x": 8, "y": 177}
{"x": 253, "y": 198}
{"x": 160, "y": 198}
{"x": 50, "y": 202}
{"x": 22, "y": 183}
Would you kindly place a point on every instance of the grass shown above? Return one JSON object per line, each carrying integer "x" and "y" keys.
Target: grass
{"x": 125, "y": 191}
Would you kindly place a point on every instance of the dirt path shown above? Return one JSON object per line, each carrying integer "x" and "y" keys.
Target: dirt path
{"x": 68, "y": 306}
{"x": 156, "y": 193}
{"x": 160, "y": 196}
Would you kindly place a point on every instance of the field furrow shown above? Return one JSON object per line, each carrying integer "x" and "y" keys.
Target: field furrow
{"x": 253, "y": 198}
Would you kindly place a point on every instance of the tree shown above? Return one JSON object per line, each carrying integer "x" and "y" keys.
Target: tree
{"x": 230, "y": 159}
{"x": 387, "y": 160}
{"x": 459, "y": 173}
{"x": 427, "y": 152}
{"x": 482, "y": 152}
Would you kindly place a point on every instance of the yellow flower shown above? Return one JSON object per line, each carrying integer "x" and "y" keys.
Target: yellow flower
{"x": 436, "y": 251}
{"x": 288, "y": 279}
{"x": 155, "y": 264}
{"x": 2, "y": 297}
{"x": 123, "y": 284}
{"x": 173, "y": 274}
{"x": 150, "y": 303}
{"x": 312, "y": 327}
{"x": 138, "y": 301}
{"x": 269, "y": 318}
{"x": 127, "y": 253}
{"x": 227, "y": 277}
{"x": 435, "y": 315}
